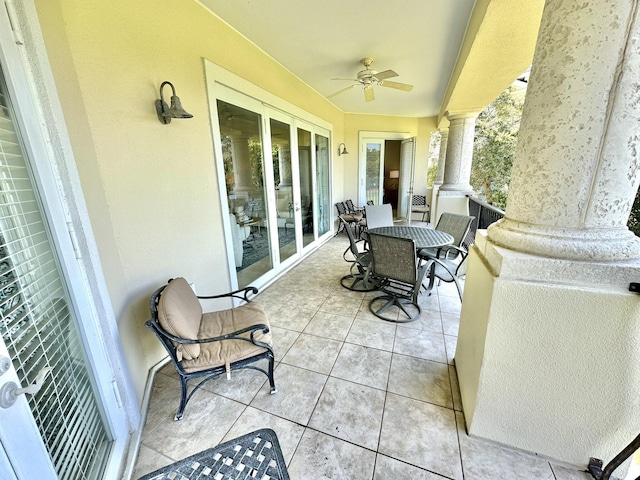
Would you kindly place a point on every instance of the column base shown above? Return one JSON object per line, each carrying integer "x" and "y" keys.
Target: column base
{"x": 547, "y": 353}
{"x": 576, "y": 244}
{"x": 452, "y": 201}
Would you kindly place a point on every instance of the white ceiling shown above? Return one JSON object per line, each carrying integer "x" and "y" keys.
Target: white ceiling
{"x": 317, "y": 41}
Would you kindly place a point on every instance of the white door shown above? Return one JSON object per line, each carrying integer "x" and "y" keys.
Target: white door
{"x": 73, "y": 426}
{"x": 407, "y": 170}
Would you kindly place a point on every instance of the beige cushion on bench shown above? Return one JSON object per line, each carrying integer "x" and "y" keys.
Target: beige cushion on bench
{"x": 215, "y": 324}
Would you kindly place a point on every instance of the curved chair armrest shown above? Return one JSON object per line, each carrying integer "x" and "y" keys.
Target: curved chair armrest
{"x": 234, "y": 294}
{"x": 229, "y": 336}
{"x": 348, "y": 250}
{"x": 428, "y": 253}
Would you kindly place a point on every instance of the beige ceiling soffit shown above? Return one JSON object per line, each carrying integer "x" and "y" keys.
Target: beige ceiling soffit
{"x": 497, "y": 48}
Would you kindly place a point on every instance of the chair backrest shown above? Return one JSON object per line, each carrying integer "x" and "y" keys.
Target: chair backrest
{"x": 370, "y": 202}
{"x": 352, "y": 241}
{"x": 350, "y": 206}
{"x": 341, "y": 208}
{"x": 455, "y": 225}
{"x": 179, "y": 313}
{"x": 379, "y": 215}
{"x": 394, "y": 258}
{"x": 418, "y": 200}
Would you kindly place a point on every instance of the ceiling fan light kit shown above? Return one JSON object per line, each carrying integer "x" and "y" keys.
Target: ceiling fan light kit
{"x": 368, "y": 78}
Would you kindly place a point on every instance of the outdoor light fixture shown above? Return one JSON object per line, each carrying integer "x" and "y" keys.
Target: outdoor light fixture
{"x": 166, "y": 113}
{"x": 343, "y": 151}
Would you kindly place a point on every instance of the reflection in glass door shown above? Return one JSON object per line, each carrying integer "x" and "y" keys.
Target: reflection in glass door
{"x": 282, "y": 179}
{"x": 322, "y": 184}
{"x": 245, "y": 188}
{"x": 306, "y": 185}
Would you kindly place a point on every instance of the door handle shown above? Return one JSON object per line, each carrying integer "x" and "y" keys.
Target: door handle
{"x": 10, "y": 390}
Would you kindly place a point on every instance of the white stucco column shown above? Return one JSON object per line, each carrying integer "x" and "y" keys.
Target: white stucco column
{"x": 442, "y": 157}
{"x": 574, "y": 177}
{"x": 549, "y": 346}
{"x": 452, "y": 194}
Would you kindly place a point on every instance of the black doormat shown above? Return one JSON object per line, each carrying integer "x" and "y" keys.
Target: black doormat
{"x": 256, "y": 246}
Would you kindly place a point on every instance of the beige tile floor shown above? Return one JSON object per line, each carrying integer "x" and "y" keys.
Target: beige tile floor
{"x": 358, "y": 397}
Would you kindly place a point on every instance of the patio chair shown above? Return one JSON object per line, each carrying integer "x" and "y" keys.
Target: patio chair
{"x": 447, "y": 270}
{"x": 394, "y": 260}
{"x": 379, "y": 216}
{"x": 205, "y": 345}
{"x": 448, "y": 263}
{"x": 358, "y": 279}
{"x": 419, "y": 205}
{"x": 455, "y": 225}
{"x": 351, "y": 219}
{"x": 351, "y": 208}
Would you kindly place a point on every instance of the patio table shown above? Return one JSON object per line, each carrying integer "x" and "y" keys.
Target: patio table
{"x": 254, "y": 455}
{"x": 423, "y": 237}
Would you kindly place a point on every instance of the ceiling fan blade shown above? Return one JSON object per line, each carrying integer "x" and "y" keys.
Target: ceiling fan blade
{"x": 397, "y": 85}
{"x": 343, "y": 90}
{"x": 385, "y": 74}
{"x": 368, "y": 94}
{"x": 350, "y": 79}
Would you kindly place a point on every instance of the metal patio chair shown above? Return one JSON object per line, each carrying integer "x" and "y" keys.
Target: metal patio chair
{"x": 379, "y": 215}
{"x": 351, "y": 219}
{"x": 394, "y": 260}
{"x": 455, "y": 225}
{"x": 358, "y": 279}
{"x": 351, "y": 208}
{"x": 203, "y": 346}
{"x": 448, "y": 263}
{"x": 419, "y": 205}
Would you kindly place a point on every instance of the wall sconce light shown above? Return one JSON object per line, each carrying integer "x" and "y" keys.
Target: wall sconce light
{"x": 343, "y": 151}
{"x": 166, "y": 113}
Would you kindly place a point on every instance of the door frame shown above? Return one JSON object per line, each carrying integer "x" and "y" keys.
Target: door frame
{"x": 364, "y": 137}
{"x": 50, "y": 156}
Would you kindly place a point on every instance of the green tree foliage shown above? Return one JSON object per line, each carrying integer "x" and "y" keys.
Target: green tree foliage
{"x": 432, "y": 162}
{"x": 494, "y": 147}
{"x": 432, "y": 173}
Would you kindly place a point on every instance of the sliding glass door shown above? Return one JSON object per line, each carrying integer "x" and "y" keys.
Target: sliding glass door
{"x": 244, "y": 176}
{"x": 306, "y": 185}
{"x": 280, "y": 133}
{"x": 323, "y": 184}
{"x": 275, "y": 176}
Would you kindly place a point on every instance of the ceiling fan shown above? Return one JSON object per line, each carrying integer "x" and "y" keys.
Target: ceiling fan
{"x": 367, "y": 78}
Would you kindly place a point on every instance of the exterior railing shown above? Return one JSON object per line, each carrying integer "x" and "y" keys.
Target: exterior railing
{"x": 484, "y": 214}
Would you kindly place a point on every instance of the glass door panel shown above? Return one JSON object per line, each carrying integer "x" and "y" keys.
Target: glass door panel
{"x": 38, "y": 327}
{"x": 374, "y": 172}
{"x": 241, "y": 138}
{"x": 323, "y": 179}
{"x": 283, "y": 183}
{"x": 306, "y": 185}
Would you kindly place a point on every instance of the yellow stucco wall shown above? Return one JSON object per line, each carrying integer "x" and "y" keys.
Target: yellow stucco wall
{"x": 151, "y": 189}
